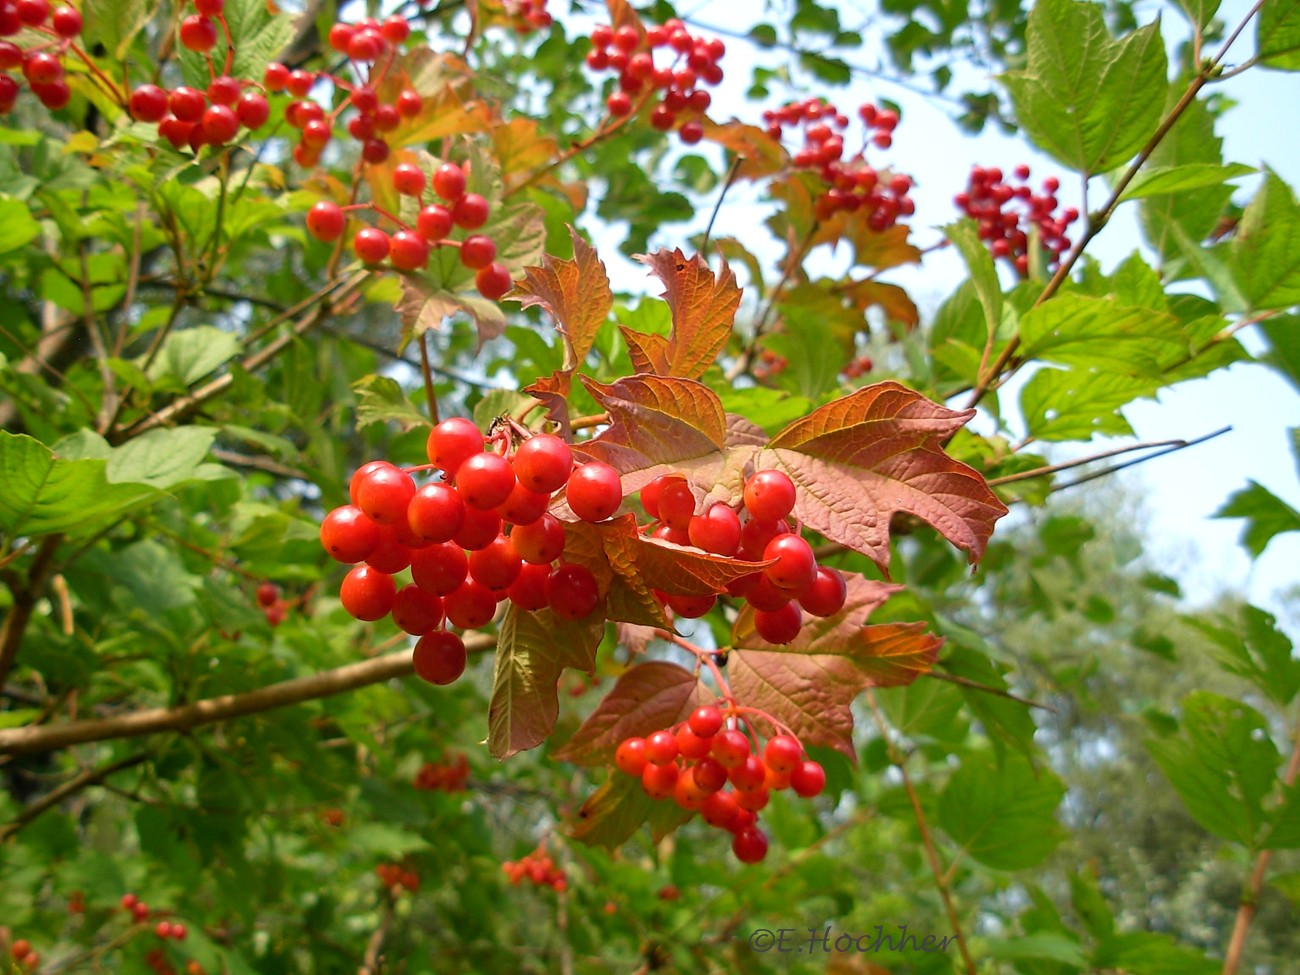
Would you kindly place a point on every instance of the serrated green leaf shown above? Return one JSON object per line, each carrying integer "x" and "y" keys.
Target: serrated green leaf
{"x": 1277, "y": 35}
{"x": 381, "y": 399}
{"x": 1098, "y": 333}
{"x": 1264, "y": 253}
{"x": 616, "y": 810}
{"x": 17, "y": 228}
{"x": 1145, "y": 953}
{"x": 1004, "y": 815}
{"x": 1253, "y": 647}
{"x": 1078, "y": 404}
{"x": 1085, "y": 98}
{"x": 1267, "y": 516}
{"x": 115, "y": 23}
{"x": 1179, "y": 179}
{"x": 1199, "y": 12}
{"x": 983, "y": 275}
{"x": 189, "y": 355}
{"x": 1041, "y": 946}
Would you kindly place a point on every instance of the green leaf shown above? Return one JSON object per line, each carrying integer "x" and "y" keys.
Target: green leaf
{"x": 983, "y": 274}
{"x": 1041, "y": 946}
{"x": 1085, "y": 98}
{"x": 189, "y": 355}
{"x": 615, "y": 811}
{"x": 260, "y": 32}
{"x": 1078, "y": 404}
{"x": 1222, "y": 765}
{"x": 114, "y": 23}
{"x": 1266, "y": 516}
{"x": 1264, "y": 253}
{"x": 1277, "y": 35}
{"x": 44, "y": 494}
{"x": 1252, "y": 647}
{"x": 1284, "y": 826}
{"x": 1007, "y": 723}
{"x": 1179, "y": 179}
{"x": 17, "y": 228}
{"x": 161, "y": 458}
{"x": 1283, "y": 335}
{"x": 1004, "y": 815}
{"x": 1199, "y": 12}
{"x": 381, "y": 399}
{"x": 1145, "y": 953}
{"x": 1098, "y": 333}
{"x": 1288, "y": 884}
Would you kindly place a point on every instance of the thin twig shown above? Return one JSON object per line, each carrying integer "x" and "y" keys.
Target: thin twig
{"x": 51, "y": 799}
{"x": 977, "y": 686}
{"x": 1069, "y": 464}
{"x": 431, "y": 397}
{"x": 1113, "y": 468}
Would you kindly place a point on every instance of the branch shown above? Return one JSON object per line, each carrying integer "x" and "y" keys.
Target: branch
{"x": 1106, "y": 471}
{"x": 25, "y": 598}
{"x": 51, "y": 799}
{"x": 43, "y": 738}
{"x": 1172, "y": 445}
{"x": 927, "y": 840}
{"x": 977, "y": 686}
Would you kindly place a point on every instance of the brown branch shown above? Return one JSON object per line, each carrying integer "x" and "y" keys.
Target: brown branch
{"x": 997, "y": 691}
{"x": 927, "y": 841}
{"x": 25, "y": 598}
{"x": 373, "y": 960}
{"x": 1250, "y": 895}
{"x": 41, "y": 738}
{"x": 51, "y": 799}
{"x": 1172, "y": 446}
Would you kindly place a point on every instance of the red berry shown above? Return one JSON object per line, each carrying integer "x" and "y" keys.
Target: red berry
{"x": 572, "y": 592}
{"x": 325, "y": 221}
{"x": 479, "y": 529}
{"x": 826, "y": 595}
{"x": 470, "y": 605}
{"x": 416, "y": 611}
{"x": 690, "y": 745}
{"x": 769, "y": 495}
{"x": 449, "y": 182}
{"x": 340, "y": 36}
{"x": 687, "y": 794}
{"x": 408, "y": 179}
{"x": 20, "y": 949}
{"x": 365, "y": 45}
{"x": 478, "y": 251}
{"x": 198, "y": 33}
{"x": 439, "y": 657}
{"x": 275, "y": 77}
{"x": 470, "y": 211}
{"x": 691, "y": 132}
{"x": 54, "y": 95}
{"x": 452, "y": 442}
{"x": 706, "y": 721}
{"x": 782, "y": 754}
{"x": 750, "y": 845}
{"x": 433, "y": 223}
{"x": 223, "y": 90}
{"x": 493, "y": 281}
{"x": 435, "y": 513}
{"x": 661, "y": 748}
{"x": 754, "y": 536}
{"x": 764, "y": 596}
{"x": 391, "y": 555}
{"x": 749, "y": 775}
{"x": 253, "y": 109}
{"x": 383, "y": 493}
{"x": 543, "y": 462}
{"x": 779, "y": 626}
{"x": 496, "y": 565}
{"x": 523, "y": 507}
{"x": 719, "y": 809}
{"x": 348, "y": 535}
{"x": 367, "y": 594}
{"x": 148, "y": 103}
{"x": 651, "y": 493}
{"x": 267, "y": 593}
{"x": 691, "y": 607}
{"x": 659, "y": 781}
{"x": 528, "y": 592}
{"x": 541, "y": 542}
{"x": 619, "y": 104}
{"x": 662, "y": 118}
{"x": 627, "y": 38}
{"x": 441, "y": 568}
{"x": 730, "y": 748}
{"x": 370, "y": 244}
{"x": 753, "y": 800}
{"x": 395, "y": 29}
{"x": 717, "y": 530}
{"x": 300, "y": 82}
{"x": 795, "y": 567}
{"x": 808, "y": 779}
{"x": 42, "y": 68}
{"x": 33, "y": 12}
{"x": 374, "y": 151}
{"x": 408, "y": 251}
{"x": 485, "y": 481}
{"x": 409, "y": 103}
{"x": 594, "y": 491}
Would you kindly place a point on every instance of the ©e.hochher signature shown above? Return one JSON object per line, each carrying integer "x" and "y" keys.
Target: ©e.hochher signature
{"x": 825, "y": 941}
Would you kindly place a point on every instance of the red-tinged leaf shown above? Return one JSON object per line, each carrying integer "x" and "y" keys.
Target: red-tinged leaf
{"x": 703, "y": 310}
{"x": 533, "y": 649}
{"x": 879, "y": 249}
{"x": 629, "y": 599}
{"x": 424, "y": 306}
{"x": 622, "y": 14}
{"x": 743, "y": 433}
{"x": 811, "y": 690}
{"x": 450, "y": 104}
{"x": 584, "y": 544}
{"x": 861, "y": 459}
{"x": 553, "y": 390}
{"x": 685, "y": 571}
{"x": 615, "y": 811}
{"x": 760, "y": 154}
{"x": 896, "y": 303}
{"x": 647, "y": 350}
{"x": 522, "y": 149}
{"x": 634, "y": 636}
{"x": 648, "y": 697}
{"x": 576, "y": 293}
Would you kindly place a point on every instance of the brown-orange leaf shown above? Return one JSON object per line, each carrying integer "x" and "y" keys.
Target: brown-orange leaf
{"x": 862, "y": 458}
{"x": 703, "y": 311}
{"x": 617, "y": 809}
{"x": 760, "y": 154}
{"x": 683, "y": 570}
{"x": 575, "y": 292}
{"x": 648, "y": 697}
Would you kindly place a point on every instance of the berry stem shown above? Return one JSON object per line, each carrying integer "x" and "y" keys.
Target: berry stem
{"x": 430, "y": 394}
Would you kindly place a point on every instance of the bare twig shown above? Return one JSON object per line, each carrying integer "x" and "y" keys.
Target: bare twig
{"x": 51, "y": 799}
{"x": 1070, "y": 464}
{"x": 25, "y": 597}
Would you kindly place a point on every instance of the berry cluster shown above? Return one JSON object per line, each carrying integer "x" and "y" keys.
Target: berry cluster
{"x": 408, "y": 249}
{"x": 371, "y": 47}
{"x": 693, "y": 763}
{"x": 691, "y": 61}
{"x": 170, "y": 929}
{"x": 853, "y": 184}
{"x": 397, "y": 878}
{"x": 859, "y": 367}
{"x": 527, "y": 16}
{"x": 1007, "y": 214}
{"x": 782, "y": 592}
{"x": 137, "y": 908}
{"x": 479, "y": 535}
{"x": 22, "y": 954}
{"x": 42, "y": 62}
{"x": 443, "y": 776}
{"x": 192, "y": 117}
{"x": 770, "y": 364}
{"x": 333, "y": 816}
{"x": 537, "y": 867}
{"x": 271, "y": 602}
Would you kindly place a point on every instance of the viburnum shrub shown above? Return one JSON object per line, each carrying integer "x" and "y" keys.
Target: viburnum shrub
{"x": 1008, "y": 212}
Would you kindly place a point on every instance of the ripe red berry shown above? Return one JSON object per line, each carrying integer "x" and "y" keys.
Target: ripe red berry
{"x": 479, "y": 529}
{"x": 478, "y": 251}
{"x": 433, "y": 223}
{"x": 416, "y": 611}
{"x": 706, "y": 721}
{"x": 795, "y": 567}
{"x": 470, "y": 605}
{"x": 769, "y": 495}
{"x": 452, "y": 442}
{"x": 750, "y": 845}
{"x": 441, "y": 568}
{"x": 485, "y": 481}
{"x": 435, "y": 513}
{"x": 594, "y": 491}
{"x": 528, "y": 592}
{"x": 710, "y": 776}
{"x": 340, "y": 36}
{"x": 691, "y": 132}
{"x": 439, "y": 657}
{"x": 383, "y": 493}
{"x": 677, "y": 505}
{"x": 198, "y": 33}
{"x": 408, "y": 251}
{"x": 826, "y": 595}
{"x": 661, "y": 748}
{"x": 223, "y": 90}
{"x": 374, "y": 151}
{"x": 627, "y": 38}
{"x": 717, "y": 530}
{"x": 370, "y": 244}
{"x": 42, "y": 68}
{"x": 449, "y": 182}
{"x": 572, "y": 592}
{"x": 267, "y": 593}
{"x": 662, "y": 118}
{"x": 409, "y": 103}
{"x": 541, "y": 542}
{"x": 690, "y": 607}
{"x": 348, "y": 535}
{"x": 659, "y": 781}
{"x": 326, "y": 221}
{"x": 720, "y": 809}
{"x": 253, "y": 109}
{"x": 493, "y": 281}
{"x": 391, "y": 555}
{"x": 275, "y": 77}
{"x": 408, "y": 179}
{"x": 496, "y": 565}
{"x": 524, "y": 506}
{"x": 33, "y": 13}
{"x": 753, "y": 800}
{"x": 367, "y": 594}
{"x": 619, "y": 104}
{"x": 730, "y": 748}
{"x": 808, "y": 779}
{"x": 395, "y": 29}
{"x": 782, "y": 754}
{"x": 779, "y": 626}
{"x": 749, "y": 775}
{"x": 470, "y": 211}
{"x": 543, "y": 462}
{"x": 690, "y": 745}
{"x": 148, "y": 103}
